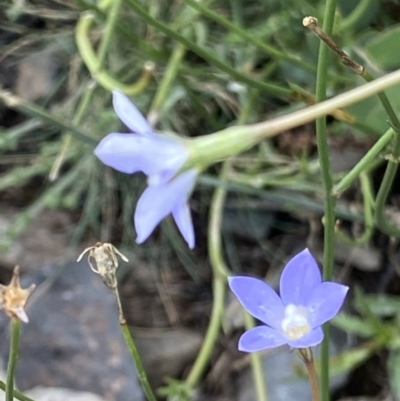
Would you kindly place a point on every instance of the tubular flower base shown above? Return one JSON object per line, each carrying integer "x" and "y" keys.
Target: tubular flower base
{"x": 160, "y": 157}
{"x": 295, "y": 317}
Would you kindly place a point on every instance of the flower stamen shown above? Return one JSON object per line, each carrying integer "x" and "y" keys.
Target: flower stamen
{"x": 295, "y": 323}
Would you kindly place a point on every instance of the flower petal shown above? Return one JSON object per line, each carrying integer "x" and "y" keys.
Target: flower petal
{"x": 313, "y": 338}
{"x": 130, "y": 153}
{"x": 130, "y": 115}
{"x": 158, "y": 201}
{"x": 325, "y": 302}
{"x": 183, "y": 220}
{"x": 259, "y": 299}
{"x": 259, "y": 338}
{"x": 299, "y": 278}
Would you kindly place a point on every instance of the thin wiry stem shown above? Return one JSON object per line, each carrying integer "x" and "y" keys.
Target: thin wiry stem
{"x": 208, "y": 55}
{"x": 138, "y": 362}
{"x": 323, "y": 154}
{"x": 12, "y": 358}
{"x": 220, "y": 272}
{"x": 17, "y": 394}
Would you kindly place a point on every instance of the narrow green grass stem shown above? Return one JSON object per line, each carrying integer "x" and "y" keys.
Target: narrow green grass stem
{"x": 17, "y": 394}
{"x": 138, "y": 363}
{"x": 392, "y": 165}
{"x": 208, "y": 55}
{"x": 384, "y": 190}
{"x": 250, "y": 38}
{"x": 82, "y": 107}
{"x": 385, "y": 102}
{"x": 391, "y": 168}
{"x": 323, "y": 154}
{"x": 364, "y": 163}
{"x": 203, "y": 357}
{"x": 93, "y": 63}
{"x": 12, "y": 358}
{"x": 35, "y": 111}
{"x": 220, "y": 272}
{"x": 111, "y": 22}
{"x": 356, "y": 15}
{"x": 368, "y": 197}
{"x": 164, "y": 88}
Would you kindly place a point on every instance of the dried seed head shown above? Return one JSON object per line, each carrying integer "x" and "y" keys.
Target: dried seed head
{"x": 105, "y": 256}
{"x": 13, "y": 298}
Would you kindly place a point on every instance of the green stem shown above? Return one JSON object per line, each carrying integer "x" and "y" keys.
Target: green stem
{"x": 108, "y": 31}
{"x": 364, "y": 163}
{"x": 18, "y": 395}
{"x": 220, "y": 272}
{"x": 355, "y": 16}
{"x": 250, "y": 38}
{"x": 368, "y": 198}
{"x": 82, "y": 107}
{"x": 95, "y": 66}
{"x": 323, "y": 154}
{"x": 392, "y": 165}
{"x": 384, "y": 190}
{"x": 385, "y": 102}
{"x": 211, "y": 336}
{"x": 14, "y": 102}
{"x": 208, "y": 55}
{"x": 12, "y": 358}
{"x": 138, "y": 362}
{"x": 164, "y": 88}
{"x": 391, "y": 168}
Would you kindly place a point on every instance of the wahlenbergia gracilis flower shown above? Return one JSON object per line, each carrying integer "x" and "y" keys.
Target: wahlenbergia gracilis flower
{"x": 160, "y": 157}
{"x": 295, "y": 317}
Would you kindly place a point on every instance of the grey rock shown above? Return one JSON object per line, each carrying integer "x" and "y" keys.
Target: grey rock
{"x": 60, "y": 394}
{"x": 166, "y": 352}
{"x": 73, "y": 339}
{"x": 42, "y": 242}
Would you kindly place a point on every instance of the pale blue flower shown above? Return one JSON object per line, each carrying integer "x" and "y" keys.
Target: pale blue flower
{"x": 160, "y": 157}
{"x": 295, "y": 317}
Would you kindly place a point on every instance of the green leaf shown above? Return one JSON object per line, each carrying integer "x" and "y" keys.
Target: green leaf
{"x": 371, "y": 112}
{"x": 348, "y": 360}
{"x": 384, "y": 48}
{"x": 383, "y": 305}
{"x": 394, "y": 372}
{"x": 354, "y": 325}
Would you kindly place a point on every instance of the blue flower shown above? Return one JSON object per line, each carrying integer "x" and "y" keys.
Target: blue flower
{"x": 160, "y": 157}
{"x": 295, "y": 317}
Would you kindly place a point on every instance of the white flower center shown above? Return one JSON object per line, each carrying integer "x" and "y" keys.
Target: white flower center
{"x": 295, "y": 323}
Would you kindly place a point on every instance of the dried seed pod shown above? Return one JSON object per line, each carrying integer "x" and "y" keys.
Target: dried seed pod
{"x": 106, "y": 265}
{"x": 106, "y": 262}
{"x": 13, "y": 298}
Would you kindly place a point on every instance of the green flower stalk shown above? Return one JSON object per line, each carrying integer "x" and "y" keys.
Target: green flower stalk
{"x": 12, "y": 300}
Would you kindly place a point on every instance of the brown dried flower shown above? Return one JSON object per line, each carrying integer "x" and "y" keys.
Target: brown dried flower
{"x": 13, "y": 298}
{"x": 105, "y": 256}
